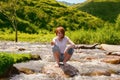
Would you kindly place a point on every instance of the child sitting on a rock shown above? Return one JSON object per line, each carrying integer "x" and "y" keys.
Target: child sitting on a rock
{"x": 62, "y": 52}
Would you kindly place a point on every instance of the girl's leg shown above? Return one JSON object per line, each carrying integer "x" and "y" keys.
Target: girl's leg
{"x": 56, "y": 53}
{"x": 56, "y": 56}
{"x": 68, "y": 55}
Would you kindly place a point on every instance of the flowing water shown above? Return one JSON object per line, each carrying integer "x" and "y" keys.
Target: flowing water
{"x": 87, "y": 61}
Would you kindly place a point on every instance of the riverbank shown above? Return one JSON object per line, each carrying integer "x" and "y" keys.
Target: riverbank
{"x": 90, "y": 64}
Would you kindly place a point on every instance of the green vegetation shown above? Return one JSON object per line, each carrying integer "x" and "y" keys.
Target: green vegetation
{"x": 44, "y": 36}
{"x": 7, "y": 60}
{"x": 33, "y": 15}
{"x": 94, "y": 21}
{"x": 107, "y": 10}
{"x": 107, "y": 35}
{"x": 20, "y": 57}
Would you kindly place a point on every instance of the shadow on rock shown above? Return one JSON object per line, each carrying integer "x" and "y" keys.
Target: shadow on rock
{"x": 64, "y": 71}
{"x": 9, "y": 72}
{"x": 69, "y": 70}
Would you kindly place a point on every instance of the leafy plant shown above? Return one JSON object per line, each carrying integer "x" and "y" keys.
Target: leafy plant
{"x": 20, "y": 57}
{"x": 5, "y": 62}
{"x": 117, "y": 25}
{"x": 8, "y": 59}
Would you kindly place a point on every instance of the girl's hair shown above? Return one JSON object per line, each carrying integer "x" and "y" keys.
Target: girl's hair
{"x": 61, "y": 29}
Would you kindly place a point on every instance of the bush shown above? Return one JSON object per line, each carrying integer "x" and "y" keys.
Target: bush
{"x": 117, "y": 26}
{"x": 107, "y": 35}
{"x": 20, "y": 57}
{"x": 6, "y": 61}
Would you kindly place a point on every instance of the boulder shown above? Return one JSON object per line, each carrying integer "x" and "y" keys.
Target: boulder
{"x": 110, "y": 48}
{"x": 21, "y": 49}
{"x": 111, "y": 59}
{"x": 35, "y": 57}
{"x": 30, "y": 67}
{"x": 100, "y": 72}
{"x": 26, "y": 70}
{"x": 62, "y": 71}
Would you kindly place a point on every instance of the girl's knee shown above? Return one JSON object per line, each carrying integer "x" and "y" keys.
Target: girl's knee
{"x": 70, "y": 51}
{"x": 55, "y": 49}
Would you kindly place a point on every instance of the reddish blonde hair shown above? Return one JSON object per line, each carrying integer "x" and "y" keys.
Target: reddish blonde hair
{"x": 61, "y": 29}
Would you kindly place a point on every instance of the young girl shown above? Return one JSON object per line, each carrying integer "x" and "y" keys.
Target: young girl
{"x": 62, "y": 52}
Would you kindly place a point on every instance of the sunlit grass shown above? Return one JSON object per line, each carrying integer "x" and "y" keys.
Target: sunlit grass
{"x": 108, "y": 35}
{"x": 25, "y": 37}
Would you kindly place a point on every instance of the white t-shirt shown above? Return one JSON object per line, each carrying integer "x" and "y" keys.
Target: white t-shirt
{"x": 63, "y": 43}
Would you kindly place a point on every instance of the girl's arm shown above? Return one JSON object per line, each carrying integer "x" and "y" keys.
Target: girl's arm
{"x": 53, "y": 42}
{"x": 72, "y": 44}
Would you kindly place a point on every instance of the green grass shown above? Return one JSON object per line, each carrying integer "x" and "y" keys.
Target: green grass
{"x": 20, "y": 57}
{"x": 43, "y": 37}
{"x": 108, "y": 34}
{"x": 107, "y": 10}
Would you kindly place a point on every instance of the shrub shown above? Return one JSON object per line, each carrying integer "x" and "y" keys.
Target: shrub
{"x": 107, "y": 35}
{"x": 5, "y": 62}
{"x": 20, "y": 57}
{"x": 117, "y": 26}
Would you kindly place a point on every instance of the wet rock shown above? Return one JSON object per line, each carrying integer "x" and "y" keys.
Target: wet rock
{"x": 113, "y": 53}
{"x": 99, "y": 73}
{"x": 35, "y": 57}
{"x": 111, "y": 59}
{"x": 110, "y": 48}
{"x": 95, "y": 68}
{"x": 113, "y": 77}
{"x": 90, "y": 58}
{"x": 69, "y": 70}
{"x": 26, "y": 71}
{"x": 87, "y": 63}
{"x": 38, "y": 76}
{"x": 14, "y": 70}
{"x": 30, "y": 67}
{"x": 62, "y": 71}
{"x": 53, "y": 71}
{"x": 48, "y": 58}
{"x": 21, "y": 49}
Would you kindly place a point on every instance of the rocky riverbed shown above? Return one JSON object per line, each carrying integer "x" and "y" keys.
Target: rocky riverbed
{"x": 100, "y": 63}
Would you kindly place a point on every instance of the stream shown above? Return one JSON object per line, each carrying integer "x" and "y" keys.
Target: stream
{"x": 92, "y": 64}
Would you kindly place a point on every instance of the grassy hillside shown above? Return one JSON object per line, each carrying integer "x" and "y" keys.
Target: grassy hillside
{"x": 33, "y": 15}
{"x": 107, "y": 10}
{"x": 36, "y": 20}
{"x": 67, "y": 3}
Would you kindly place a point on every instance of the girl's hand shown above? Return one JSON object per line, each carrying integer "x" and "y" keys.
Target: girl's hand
{"x": 52, "y": 43}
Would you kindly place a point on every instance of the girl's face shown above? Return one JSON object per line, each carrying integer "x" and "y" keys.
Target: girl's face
{"x": 60, "y": 35}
